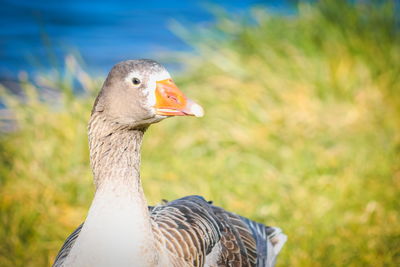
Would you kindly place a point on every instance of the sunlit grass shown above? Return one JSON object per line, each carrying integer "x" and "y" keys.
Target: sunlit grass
{"x": 301, "y": 131}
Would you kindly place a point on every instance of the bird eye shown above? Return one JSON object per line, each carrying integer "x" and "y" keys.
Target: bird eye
{"x": 135, "y": 81}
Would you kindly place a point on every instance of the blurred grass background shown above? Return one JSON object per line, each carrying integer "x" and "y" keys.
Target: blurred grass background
{"x": 302, "y": 131}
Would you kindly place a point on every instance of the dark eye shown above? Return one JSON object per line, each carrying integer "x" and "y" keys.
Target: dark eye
{"x": 135, "y": 81}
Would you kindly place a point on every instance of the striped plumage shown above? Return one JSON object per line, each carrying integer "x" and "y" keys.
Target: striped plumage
{"x": 191, "y": 229}
{"x": 120, "y": 229}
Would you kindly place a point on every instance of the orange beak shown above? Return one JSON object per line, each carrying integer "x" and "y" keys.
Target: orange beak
{"x": 170, "y": 101}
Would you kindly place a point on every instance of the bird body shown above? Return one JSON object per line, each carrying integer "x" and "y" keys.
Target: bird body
{"x": 120, "y": 229}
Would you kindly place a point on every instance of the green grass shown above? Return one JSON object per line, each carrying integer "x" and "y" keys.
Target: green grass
{"x": 302, "y": 131}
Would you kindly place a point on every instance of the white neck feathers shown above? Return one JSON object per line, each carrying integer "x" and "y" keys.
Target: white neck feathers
{"x": 117, "y": 230}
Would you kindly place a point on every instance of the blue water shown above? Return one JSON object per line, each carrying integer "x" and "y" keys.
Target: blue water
{"x": 35, "y": 34}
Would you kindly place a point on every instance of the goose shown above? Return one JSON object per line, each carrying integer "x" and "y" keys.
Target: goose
{"x": 120, "y": 228}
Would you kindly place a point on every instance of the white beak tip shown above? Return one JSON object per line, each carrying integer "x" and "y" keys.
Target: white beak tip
{"x": 197, "y": 110}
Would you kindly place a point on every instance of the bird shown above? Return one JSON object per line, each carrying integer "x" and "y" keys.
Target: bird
{"x": 120, "y": 228}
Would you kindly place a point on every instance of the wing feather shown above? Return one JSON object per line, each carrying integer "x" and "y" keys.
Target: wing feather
{"x": 191, "y": 225}
{"x": 67, "y": 246}
{"x": 194, "y": 233}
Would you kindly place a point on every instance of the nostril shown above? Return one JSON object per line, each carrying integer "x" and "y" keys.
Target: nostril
{"x": 174, "y": 98}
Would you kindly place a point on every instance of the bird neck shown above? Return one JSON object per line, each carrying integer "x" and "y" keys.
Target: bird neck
{"x": 114, "y": 154}
{"x": 117, "y": 230}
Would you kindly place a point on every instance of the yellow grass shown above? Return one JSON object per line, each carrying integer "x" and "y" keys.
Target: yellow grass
{"x": 301, "y": 131}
